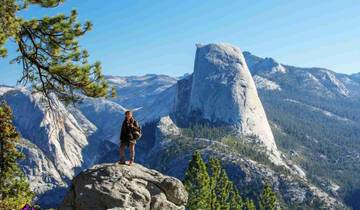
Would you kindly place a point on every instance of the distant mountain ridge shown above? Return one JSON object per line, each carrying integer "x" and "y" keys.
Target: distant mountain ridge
{"x": 320, "y": 79}
{"x": 315, "y": 117}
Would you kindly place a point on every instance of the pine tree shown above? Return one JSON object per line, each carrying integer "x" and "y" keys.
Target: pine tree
{"x": 197, "y": 184}
{"x": 267, "y": 198}
{"x": 14, "y": 188}
{"x": 49, "y": 52}
{"x": 209, "y": 186}
{"x": 113, "y": 92}
{"x": 214, "y": 169}
{"x": 249, "y": 205}
{"x": 220, "y": 185}
{"x": 224, "y": 194}
{"x": 236, "y": 202}
{"x": 224, "y": 190}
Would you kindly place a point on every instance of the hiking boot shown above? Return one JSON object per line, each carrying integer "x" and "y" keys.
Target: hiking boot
{"x": 121, "y": 162}
{"x": 130, "y": 162}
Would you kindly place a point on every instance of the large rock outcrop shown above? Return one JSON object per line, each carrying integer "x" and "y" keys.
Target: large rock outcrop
{"x": 117, "y": 186}
{"x": 222, "y": 91}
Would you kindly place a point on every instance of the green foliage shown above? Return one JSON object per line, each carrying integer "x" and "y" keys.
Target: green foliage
{"x": 267, "y": 199}
{"x": 223, "y": 193}
{"x": 247, "y": 147}
{"x": 236, "y": 202}
{"x": 113, "y": 92}
{"x": 220, "y": 185}
{"x": 214, "y": 170}
{"x": 197, "y": 183}
{"x": 204, "y": 130}
{"x": 14, "y": 188}
{"x": 49, "y": 52}
{"x": 209, "y": 186}
{"x": 9, "y": 23}
{"x": 249, "y": 205}
{"x": 244, "y": 145}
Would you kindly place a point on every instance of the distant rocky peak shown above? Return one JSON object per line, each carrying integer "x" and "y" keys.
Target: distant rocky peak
{"x": 262, "y": 66}
{"x": 330, "y": 81}
{"x": 222, "y": 91}
{"x": 219, "y": 83}
{"x": 251, "y": 59}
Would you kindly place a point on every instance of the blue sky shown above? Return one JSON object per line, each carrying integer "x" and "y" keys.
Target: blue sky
{"x": 133, "y": 37}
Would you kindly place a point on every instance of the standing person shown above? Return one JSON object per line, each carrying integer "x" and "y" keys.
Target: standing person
{"x": 130, "y": 132}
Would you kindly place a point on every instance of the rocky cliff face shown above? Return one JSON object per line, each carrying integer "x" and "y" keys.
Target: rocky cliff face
{"x": 116, "y": 186}
{"x": 56, "y": 132}
{"x": 222, "y": 91}
{"x": 44, "y": 177}
{"x": 57, "y": 142}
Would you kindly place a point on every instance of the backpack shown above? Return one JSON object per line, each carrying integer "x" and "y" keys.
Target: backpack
{"x": 137, "y": 133}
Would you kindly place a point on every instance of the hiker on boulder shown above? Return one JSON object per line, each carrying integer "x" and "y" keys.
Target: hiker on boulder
{"x": 130, "y": 133}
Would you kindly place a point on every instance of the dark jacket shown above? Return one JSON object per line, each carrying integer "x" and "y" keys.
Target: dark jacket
{"x": 127, "y": 129}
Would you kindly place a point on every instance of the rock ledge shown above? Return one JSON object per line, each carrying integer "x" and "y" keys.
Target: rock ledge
{"x": 116, "y": 186}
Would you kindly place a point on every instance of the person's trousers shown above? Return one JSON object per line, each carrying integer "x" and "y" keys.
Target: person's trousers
{"x": 122, "y": 151}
